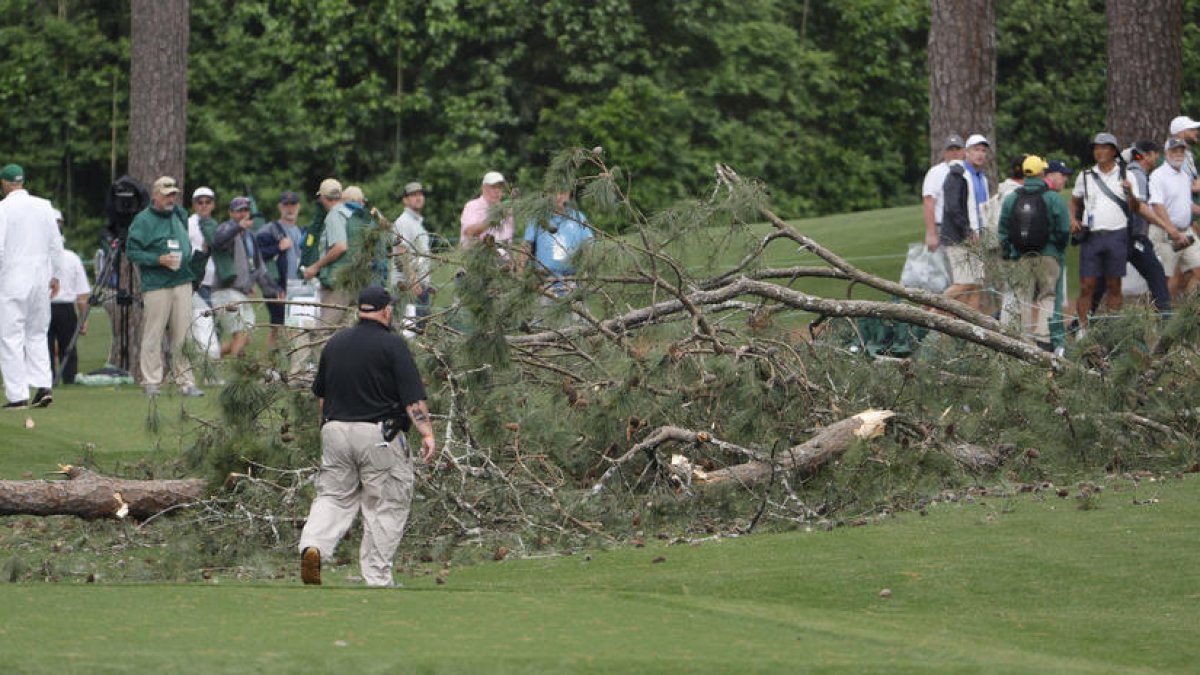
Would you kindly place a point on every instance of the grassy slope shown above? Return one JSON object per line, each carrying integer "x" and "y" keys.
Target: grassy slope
{"x": 1017, "y": 585}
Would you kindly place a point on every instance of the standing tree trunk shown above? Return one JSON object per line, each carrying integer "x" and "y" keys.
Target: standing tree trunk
{"x": 1145, "y": 61}
{"x": 962, "y": 73}
{"x": 157, "y": 132}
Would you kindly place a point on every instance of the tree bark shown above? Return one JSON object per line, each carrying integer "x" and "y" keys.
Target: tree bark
{"x": 962, "y": 73}
{"x": 91, "y": 496}
{"x": 159, "y": 31}
{"x": 1145, "y": 61}
{"x": 158, "y": 89}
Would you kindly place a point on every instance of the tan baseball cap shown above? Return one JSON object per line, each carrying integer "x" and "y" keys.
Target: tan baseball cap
{"x": 165, "y": 185}
{"x": 354, "y": 194}
{"x": 330, "y": 188}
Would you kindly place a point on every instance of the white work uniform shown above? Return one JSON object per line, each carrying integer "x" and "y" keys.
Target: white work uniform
{"x": 30, "y": 255}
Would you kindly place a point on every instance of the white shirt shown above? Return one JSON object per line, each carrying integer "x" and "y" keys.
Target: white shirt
{"x": 196, "y": 237}
{"x": 73, "y": 282}
{"x": 1102, "y": 211}
{"x": 935, "y": 179}
{"x": 30, "y": 246}
{"x": 1173, "y": 189}
{"x": 409, "y": 230}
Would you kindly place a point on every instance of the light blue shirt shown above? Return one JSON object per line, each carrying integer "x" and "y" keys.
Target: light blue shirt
{"x": 555, "y": 250}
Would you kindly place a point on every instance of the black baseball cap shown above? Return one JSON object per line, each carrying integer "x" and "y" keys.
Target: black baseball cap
{"x": 373, "y": 299}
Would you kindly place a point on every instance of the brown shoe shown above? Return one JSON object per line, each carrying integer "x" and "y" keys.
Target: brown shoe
{"x": 310, "y": 566}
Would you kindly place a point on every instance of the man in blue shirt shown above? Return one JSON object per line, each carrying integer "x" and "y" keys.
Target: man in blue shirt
{"x": 553, "y": 242}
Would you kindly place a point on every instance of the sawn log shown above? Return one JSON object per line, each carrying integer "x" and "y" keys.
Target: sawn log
{"x": 92, "y": 496}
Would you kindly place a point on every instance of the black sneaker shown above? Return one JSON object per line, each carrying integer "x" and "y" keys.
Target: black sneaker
{"x": 17, "y": 405}
{"x": 42, "y": 398}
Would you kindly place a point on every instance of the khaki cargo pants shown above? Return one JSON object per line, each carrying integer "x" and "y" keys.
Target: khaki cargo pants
{"x": 361, "y": 472}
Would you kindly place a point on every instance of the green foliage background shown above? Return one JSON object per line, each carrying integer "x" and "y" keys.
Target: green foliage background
{"x": 825, "y": 102}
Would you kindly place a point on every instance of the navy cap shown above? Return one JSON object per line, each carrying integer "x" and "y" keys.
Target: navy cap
{"x": 953, "y": 141}
{"x": 239, "y": 203}
{"x": 373, "y": 299}
{"x": 1059, "y": 166}
{"x": 289, "y": 197}
{"x": 1176, "y": 143}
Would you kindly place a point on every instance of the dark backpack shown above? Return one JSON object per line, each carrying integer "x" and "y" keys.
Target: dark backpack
{"x": 1028, "y": 222}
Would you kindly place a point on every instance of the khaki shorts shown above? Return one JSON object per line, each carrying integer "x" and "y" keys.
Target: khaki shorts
{"x": 238, "y": 318}
{"x": 966, "y": 268}
{"x": 1186, "y": 260}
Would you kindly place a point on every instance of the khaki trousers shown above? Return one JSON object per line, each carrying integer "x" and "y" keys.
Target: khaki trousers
{"x": 1034, "y": 292}
{"x": 361, "y": 472}
{"x": 168, "y": 309}
{"x": 331, "y": 317}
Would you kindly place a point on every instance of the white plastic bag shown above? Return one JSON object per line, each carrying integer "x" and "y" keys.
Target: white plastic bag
{"x": 929, "y": 270}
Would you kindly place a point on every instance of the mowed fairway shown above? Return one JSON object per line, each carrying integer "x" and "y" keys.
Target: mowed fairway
{"x": 1021, "y": 584}
{"x": 1002, "y": 585}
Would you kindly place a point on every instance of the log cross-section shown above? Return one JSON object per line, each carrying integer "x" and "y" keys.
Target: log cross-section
{"x": 92, "y": 496}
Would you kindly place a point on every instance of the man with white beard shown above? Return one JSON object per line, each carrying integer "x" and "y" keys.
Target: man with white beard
{"x": 30, "y": 266}
{"x": 1171, "y": 199}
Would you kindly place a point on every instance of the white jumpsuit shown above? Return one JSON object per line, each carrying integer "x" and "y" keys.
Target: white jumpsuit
{"x": 30, "y": 255}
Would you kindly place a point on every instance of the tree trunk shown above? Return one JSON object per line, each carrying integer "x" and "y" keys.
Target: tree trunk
{"x": 91, "y": 496}
{"x": 1145, "y": 61}
{"x": 159, "y": 32}
{"x": 158, "y": 89}
{"x": 962, "y": 73}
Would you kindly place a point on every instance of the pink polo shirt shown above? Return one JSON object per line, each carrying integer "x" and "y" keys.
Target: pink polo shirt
{"x": 476, "y": 211}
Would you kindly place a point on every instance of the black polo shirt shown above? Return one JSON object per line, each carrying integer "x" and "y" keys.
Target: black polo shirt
{"x": 367, "y": 374}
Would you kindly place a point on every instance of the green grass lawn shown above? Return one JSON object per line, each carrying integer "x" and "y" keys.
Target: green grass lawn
{"x": 1013, "y": 585}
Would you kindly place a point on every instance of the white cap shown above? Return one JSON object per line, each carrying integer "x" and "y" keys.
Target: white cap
{"x": 1183, "y": 123}
{"x": 493, "y": 178}
{"x": 203, "y": 191}
{"x": 976, "y": 139}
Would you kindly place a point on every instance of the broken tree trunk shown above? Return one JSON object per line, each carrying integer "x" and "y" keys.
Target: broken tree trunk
{"x": 829, "y": 443}
{"x": 92, "y": 496}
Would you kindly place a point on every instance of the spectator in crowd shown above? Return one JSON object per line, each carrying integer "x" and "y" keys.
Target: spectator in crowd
{"x": 480, "y": 220}
{"x": 965, "y": 190}
{"x": 1142, "y": 157}
{"x": 1101, "y": 202}
{"x": 333, "y": 247}
{"x": 554, "y": 242}
{"x": 931, "y": 190}
{"x": 279, "y": 243}
{"x": 1171, "y": 199}
{"x": 30, "y": 269}
{"x": 158, "y": 244}
{"x": 239, "y": 267}
{"x": 1057, "y": 174}
{"x": 1037, "y": 238}
{"x": 411, "y": 250}
{"x": 368, "y": 244}
{"x": 66, "y": 306}
{"x": 204, "y": 328}
{"x": 1187, "y": 130}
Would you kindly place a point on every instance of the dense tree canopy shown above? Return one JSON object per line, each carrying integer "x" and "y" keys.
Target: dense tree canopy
{"x": 826, "y": 102}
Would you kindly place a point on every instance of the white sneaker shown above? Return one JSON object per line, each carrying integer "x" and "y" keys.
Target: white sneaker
{"x": 191, "y": 391}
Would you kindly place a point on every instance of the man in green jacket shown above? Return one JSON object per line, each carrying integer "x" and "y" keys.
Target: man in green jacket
{"x": 1035, "y": 236}
{"x": 158, "y": 244}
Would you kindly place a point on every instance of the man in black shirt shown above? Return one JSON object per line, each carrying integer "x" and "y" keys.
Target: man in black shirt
{"x": 369, "y": 389}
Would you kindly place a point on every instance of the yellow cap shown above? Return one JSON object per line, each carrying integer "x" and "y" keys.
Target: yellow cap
{"x": 1034, "y": 166}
